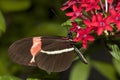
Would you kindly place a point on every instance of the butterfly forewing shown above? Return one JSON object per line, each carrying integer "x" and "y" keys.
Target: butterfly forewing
{"x": 19, "y": 51}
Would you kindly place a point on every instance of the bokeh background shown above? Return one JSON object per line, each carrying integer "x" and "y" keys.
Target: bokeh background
{"x": 27, "y": 18}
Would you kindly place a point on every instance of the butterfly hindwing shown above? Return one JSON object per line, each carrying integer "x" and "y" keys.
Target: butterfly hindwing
{"x": 55, "y": 62}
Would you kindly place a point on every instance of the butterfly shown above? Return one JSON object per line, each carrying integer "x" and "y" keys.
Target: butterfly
{"x": 50, "y": 53}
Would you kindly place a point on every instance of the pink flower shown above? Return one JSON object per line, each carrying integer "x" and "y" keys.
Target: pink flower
{"x": 69, "y": 3}
{"x": 76, "y": 12}
{"x": 91, "y": 5}
{"x": 115, "y": 17}
{"x": 75, "y": 27}
{"x": 100, "y": 23}
{"x": 97, "y": 16}
{"x": 110, "y": 1}
{"x": 118, "y": 6}
{"x": 84, "y": 36}
{"x": 91, "y": 23}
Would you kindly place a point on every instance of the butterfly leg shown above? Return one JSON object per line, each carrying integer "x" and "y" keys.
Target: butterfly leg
{"x": 80, "y": 54}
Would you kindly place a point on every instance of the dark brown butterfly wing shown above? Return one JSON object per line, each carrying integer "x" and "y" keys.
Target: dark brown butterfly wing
{"x": 19, "y": 51}
{"x": 55, "y": 62}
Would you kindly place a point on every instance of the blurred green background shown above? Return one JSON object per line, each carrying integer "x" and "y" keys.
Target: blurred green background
{"x": 26, "y": 18}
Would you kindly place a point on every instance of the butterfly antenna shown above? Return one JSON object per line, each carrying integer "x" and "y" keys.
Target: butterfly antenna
{"x": 80, "y": 54}
{"x": 52, "y": 10}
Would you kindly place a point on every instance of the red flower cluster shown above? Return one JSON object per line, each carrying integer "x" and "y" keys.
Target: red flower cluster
{"x": 98, "y": 16}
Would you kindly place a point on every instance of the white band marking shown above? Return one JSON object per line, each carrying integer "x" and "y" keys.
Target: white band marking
{"x": 58, "y": 51}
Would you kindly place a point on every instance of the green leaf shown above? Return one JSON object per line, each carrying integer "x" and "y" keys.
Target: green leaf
{"x": 2, "y": 24}
{"x": 78, "y": 20}
{"x": 14, "y": 5}
{"x": 115, "y": 51}
{"x": 105, "y": 69}
{"x": 3, "y": 68}
{"x": 117, "y": 65}
{"x": 33, "y": 79}
{"x": 9, "y": 78}
{"x": 67, "y": 23}
{"x": 80, "y": 72}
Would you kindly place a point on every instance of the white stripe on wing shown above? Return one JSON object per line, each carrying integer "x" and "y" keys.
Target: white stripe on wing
{"x": 58, "y": 51}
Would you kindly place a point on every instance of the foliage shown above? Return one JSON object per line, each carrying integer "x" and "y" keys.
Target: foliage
{"x": 8, "y": 78}
{"x": 26, "y": 18}
{"x": 2, "y": 24}
{"x": 80, "y": 71}
{"x": 115, "y": 51}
